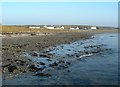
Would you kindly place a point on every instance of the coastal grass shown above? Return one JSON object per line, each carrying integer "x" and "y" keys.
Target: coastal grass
{"x": 23, "y": 29}
{"x": 16, "y": 29}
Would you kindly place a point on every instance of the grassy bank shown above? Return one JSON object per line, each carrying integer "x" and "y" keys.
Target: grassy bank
{"x": 22, "y": 29}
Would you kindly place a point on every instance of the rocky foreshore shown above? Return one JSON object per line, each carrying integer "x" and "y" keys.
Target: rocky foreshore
{"x": 19, "y": 53}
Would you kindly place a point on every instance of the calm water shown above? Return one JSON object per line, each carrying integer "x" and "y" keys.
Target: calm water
{"x": 100, "y": 69}
{"x": 96, "y": 69}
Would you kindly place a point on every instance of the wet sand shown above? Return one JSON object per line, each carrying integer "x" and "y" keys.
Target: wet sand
{"x": 12, "y": 48}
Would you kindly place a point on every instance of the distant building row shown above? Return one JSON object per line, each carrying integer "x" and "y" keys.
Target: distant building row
{"x": 77, "y": 28}
{"x": 61, "y": 27}
{"x": 47, "y": 27}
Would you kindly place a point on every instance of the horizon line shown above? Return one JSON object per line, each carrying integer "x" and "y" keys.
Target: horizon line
{"x": 58, "y": 24}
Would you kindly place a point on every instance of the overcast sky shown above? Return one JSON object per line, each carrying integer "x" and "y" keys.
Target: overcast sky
{"x": 82, "y": 13}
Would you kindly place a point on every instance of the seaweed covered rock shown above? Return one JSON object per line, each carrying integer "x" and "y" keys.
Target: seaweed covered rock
{"x": 45, "y": 55}
{"x": 34, "y": 54}
{"x": 33, "y": 68}
{"x": 12, "y": 68}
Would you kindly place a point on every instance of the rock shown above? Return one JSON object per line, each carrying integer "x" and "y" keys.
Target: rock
{"x": 29, "y": 59}
{"x": 25, "y": 44}
{"x": 65, "y": 66}
{"x": 47, "y": 51}
{"x": 68, "y": 63}
{"x": 32, "y": 34}
{"x": 53, "y": 64}
{"x": 62, "y": 66}
{"x": 41, "y": 63}
{"x": 20, "y": 62}
{"x": 34, "y": 54}
{"x": 9, "y": 59}
{"x": 18, "y": 51}
{"x": 58, "y": 68}
{"x": 97, "y": 51}
{"x": 20, "y": 46}
{"x": 43, "y": 74}
{"x": 68, "y": 71}
{"x": 36, "y": 46}
{"x": 5, "y": 48}
{"x": 68, "y": 49}
{"x": 48, "y": 59}
{"x": 14, "y": 45}
{"x": 82, "y": 43}
{"x": 86, "y": 47}
{"x": 86, "y": 52}
{"x": 45, "y": 55}
{"x": 98, "y": 47}
{"x": 33, "y": 68}
{"x": 79, "y": 59}
{"x": 38, "y": 43}
{"x": 24, "y": 71}
{"x": 61, "y": 61}
{"x": 77, "y": 55}
{"x": 72, "y": 55}
{"x": 68, "y": 55}
{"x": 12, "y": 68}
{"x": 108, "y": 49}
{"x": 6, "y": 65}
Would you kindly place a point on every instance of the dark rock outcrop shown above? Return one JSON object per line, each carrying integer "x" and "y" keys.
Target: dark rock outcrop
{"x": 12, "y": 68}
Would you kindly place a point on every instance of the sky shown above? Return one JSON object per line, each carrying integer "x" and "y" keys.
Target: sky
{"x": 60, "y": 0}
{"x": 60, "y": 13}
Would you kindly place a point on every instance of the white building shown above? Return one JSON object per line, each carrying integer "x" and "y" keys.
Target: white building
{"x": 34, "y": 27}
{"x": 93, "y": 28}
{"x": 72, "y": 28}
{"x": 62, "y": 27}
{"x": 59, "y": 27}
{"x": 77, "y": 28}
{"x": 49, "y": 27}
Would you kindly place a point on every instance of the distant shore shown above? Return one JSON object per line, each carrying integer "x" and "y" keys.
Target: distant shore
{"x": 12, "y": 47}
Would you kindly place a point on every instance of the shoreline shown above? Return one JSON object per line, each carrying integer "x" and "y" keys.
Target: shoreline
{"x": 62, "y": 65}
{"x": 12, "y": 48}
